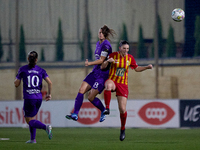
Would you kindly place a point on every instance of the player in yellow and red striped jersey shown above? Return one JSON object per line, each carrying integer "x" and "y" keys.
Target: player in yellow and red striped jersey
{"x": 119, "y": 69}
{"x": 118, "y": 80}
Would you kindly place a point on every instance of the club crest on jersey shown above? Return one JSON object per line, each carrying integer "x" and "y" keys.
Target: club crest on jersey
{"x": 116, "y": 61}
{"x": 127, "y": 62}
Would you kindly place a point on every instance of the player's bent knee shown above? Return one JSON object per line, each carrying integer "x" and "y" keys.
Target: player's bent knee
{"x": 109, "y": 87}
{"x": 82, "y": 91}
{"x": 27, "y": 120}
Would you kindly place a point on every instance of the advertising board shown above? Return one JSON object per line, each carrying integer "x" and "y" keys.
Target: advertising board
{"x": 140, "y": 113}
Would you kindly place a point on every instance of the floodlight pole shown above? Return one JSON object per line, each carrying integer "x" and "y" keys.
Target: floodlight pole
{"x": 86, "y": 31}
{"x": 156, "y": 51}
{"x": 17, "y": 63}
{"x": 86, "y": 39}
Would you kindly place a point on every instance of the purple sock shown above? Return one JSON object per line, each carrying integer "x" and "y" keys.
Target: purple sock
{"x": 32, "y": 132}
{"x": 78, "y": 103}
{"x": 37, "y": 124}
{"x": 96, "y": 102}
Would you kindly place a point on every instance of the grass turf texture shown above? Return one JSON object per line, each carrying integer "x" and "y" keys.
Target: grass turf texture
{"x": 102, "y": 139}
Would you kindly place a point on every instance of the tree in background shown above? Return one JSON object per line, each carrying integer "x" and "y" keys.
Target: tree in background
{"x": 197, "y": 36}
{"x": 171, "y": 45}
{"x": 59, "y": 43}
{"x": 42, "y": 55}
{"x": 160, "y": 40}
{"x": 124, "y": 35}
{"x": 22, "y": 50}
{"x": 141, "y": 53}
{"x": 1, "y": 46}
{"x": 89, "y": 47}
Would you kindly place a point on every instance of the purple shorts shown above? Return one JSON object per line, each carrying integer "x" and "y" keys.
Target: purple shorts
{"x": 95, "y": 83}
{"x": 31, "y": 107}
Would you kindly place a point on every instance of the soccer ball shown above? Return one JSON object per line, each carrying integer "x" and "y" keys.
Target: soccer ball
{"x": 178, "y": 14}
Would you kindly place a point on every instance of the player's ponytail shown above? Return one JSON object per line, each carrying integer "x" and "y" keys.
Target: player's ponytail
{"x": 32, "y": 57}
{"x": 107, "y": 32}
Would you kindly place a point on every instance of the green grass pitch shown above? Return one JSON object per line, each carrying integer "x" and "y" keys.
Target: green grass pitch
{"x": 102, "y": 139}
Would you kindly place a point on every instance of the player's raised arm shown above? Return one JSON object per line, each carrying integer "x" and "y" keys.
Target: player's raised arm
{"x": 142, "y": 68}
{"x": 96, "y": 62}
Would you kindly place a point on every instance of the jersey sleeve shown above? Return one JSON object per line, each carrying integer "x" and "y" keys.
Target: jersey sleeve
{"x": 19, "y": 74}
{"x": 133, "y": 64}
{"x": 105, "y": 50}
{"x": 111, "y": 55}
{"x": 44, "y": 74}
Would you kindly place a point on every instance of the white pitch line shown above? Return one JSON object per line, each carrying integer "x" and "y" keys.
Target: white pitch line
{"x": 4, "y": 139}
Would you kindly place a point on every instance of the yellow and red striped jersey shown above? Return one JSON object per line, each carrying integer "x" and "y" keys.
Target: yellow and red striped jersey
{"x": 119, "y": 68}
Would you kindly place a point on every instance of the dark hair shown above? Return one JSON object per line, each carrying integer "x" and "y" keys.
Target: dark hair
{"x": 32, "y": 56}
{"x": 107, "y": 32}
{"x": 122, "y": 42}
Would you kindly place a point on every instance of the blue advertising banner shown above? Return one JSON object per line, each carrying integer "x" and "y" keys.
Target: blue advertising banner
{"x": 189, "y": 113}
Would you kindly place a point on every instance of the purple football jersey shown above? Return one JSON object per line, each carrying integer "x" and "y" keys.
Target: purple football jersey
{"x": 32, "y": 81}
{"x": 103, "y": 49}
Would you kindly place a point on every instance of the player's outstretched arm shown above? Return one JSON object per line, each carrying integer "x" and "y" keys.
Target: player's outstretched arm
{"x": 142, "y": 68}
{"x": 96, "y": 62}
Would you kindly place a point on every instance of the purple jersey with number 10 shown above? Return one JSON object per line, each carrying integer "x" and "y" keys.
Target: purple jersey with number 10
{"x": 32, "y": 81}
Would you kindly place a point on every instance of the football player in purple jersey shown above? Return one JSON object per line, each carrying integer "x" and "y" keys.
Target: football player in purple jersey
{"x": 32, "y": 76}
{"x": 94, "y": 81}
